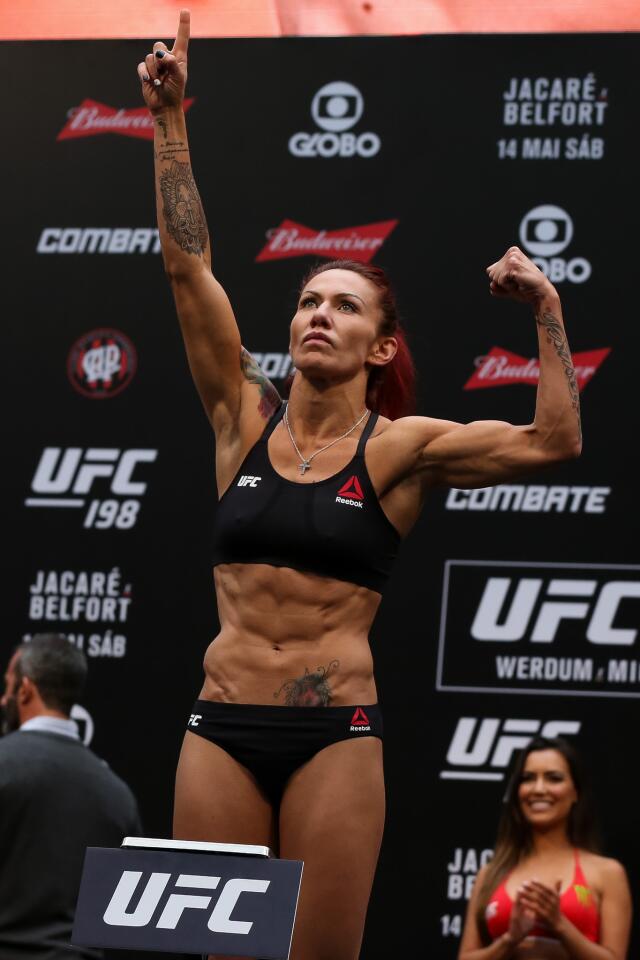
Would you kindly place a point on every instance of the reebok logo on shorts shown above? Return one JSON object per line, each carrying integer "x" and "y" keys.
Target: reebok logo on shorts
{"x": 351, "y": 493}
{"x": 360, "y": 721}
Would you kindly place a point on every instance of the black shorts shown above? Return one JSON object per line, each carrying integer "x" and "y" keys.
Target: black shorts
{"x": 272, "y": 742}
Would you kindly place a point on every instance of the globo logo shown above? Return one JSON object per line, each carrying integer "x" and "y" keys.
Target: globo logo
{"x": 546, "y": 231}
{"x": 335, "y": 108}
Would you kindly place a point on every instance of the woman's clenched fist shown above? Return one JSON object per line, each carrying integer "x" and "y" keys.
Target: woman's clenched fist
{"x": 517, "y": 277}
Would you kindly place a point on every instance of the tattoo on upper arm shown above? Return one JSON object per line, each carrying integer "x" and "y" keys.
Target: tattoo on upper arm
{"x": 269, "y": 397}
{"x": 182, "y": 209}
{"x": 309, "y": 690}
{"x": 556, "y": 336}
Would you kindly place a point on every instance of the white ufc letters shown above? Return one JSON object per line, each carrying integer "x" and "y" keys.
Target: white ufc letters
{"x": 118, "y": 915}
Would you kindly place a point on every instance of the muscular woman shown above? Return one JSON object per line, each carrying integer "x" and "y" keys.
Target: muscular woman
{"x": 284, "y": 744}
{"x": 546, "y": 894}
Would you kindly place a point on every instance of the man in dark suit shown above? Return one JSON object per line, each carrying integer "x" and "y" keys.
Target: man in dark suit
{"x": 56, "y": 798}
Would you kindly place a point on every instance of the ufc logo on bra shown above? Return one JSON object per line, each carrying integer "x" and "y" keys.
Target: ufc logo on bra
{"x": 246, "y": 481}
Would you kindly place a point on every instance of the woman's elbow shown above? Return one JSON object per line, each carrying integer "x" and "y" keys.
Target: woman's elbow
{"x": 561, "y": 450}
{"x": 180, "y": 273}
{"x": 573, "y": 449}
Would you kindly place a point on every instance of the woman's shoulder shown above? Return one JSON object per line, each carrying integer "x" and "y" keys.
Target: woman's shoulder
{"x": 413, "y": 429}
{"x": 481, "y": 879}
{"x": 604, "y": 870}
{"x": 382, "y": 424}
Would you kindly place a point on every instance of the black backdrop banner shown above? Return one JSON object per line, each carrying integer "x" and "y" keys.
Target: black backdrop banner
{"x": 512, "y": 610}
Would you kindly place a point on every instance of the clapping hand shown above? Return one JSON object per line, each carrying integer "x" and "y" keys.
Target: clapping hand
{"x": 522, "y": 920}
{"x": 542, "y": 901}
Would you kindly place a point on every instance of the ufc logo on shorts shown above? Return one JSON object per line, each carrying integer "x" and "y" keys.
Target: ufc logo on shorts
{"x": 595, "y": 603}
{"x": 246, "y": 481}
{"x": 117, "y": 913}
{"x": 74, "y": 470}
{"x": 491, "y": 742}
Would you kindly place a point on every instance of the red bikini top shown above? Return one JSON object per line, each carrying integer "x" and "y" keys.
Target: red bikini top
{"x": 577, "y": 903}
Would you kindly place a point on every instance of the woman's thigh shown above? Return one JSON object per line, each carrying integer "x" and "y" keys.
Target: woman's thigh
{"x": 332, "y": 817}
{"x": 217, "y": 799}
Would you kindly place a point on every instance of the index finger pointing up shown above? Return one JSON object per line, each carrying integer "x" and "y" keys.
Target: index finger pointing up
{"x": 182, "y": 36}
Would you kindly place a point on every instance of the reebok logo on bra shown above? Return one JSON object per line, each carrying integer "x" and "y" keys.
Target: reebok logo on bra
{"x": 245, "y": 481}
{"x": 351, "y": 493}
{"x": 360, "y": 721}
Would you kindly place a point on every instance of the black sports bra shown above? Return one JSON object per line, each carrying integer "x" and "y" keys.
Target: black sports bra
{"x": 334, "y": 527}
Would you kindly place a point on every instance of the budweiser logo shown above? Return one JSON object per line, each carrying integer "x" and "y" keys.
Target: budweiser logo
{"x": 500, "y": 367}
{"x": 92, "y": 118}
{"x": 292, "y": 239}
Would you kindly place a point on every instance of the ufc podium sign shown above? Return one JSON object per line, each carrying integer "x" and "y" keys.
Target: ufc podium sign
{"x": 186, "y": 902}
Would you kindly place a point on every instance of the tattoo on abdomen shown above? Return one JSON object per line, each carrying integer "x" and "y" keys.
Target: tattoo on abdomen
{"x": 182, "y": 209}
{"x": 556, "y": 337}
{"x": 309, "y": 690}
{"x": 269, "y": 396}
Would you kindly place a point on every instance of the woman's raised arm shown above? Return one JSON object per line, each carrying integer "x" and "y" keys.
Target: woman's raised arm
{"x": 485, "y": 452}
{"x": 219, "y": 366}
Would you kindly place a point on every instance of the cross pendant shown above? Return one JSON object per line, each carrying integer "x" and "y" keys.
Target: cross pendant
{"x": 304, "y": 466}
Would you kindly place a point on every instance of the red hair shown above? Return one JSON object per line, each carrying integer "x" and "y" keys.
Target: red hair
{"x": 391, "y": 388}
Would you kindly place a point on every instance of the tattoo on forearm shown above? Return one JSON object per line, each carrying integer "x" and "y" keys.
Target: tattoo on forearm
{"x": 171, "y": 150}
{"x": 182, "y": 209}
{"x": 309, "y": 690}
{"x": 556, "y": 337}
{"x": 269, "y": 396}
{"x": 162, "y": 123}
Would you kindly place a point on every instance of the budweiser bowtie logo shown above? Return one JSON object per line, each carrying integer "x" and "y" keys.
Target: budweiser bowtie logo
{"x": 92, "y": 118}
{"x": 500, "y": 367}
{"x": 292, "y": 239}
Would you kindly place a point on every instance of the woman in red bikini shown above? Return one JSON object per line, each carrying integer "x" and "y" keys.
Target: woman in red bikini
{"x": 546, "y": 895}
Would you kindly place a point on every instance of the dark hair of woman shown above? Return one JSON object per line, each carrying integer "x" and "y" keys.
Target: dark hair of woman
{"x": 514, "y": 839}
{"x": 390, "y": 389}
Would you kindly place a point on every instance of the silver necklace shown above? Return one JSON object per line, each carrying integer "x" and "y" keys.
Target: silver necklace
{"x": 305, "y": 464}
